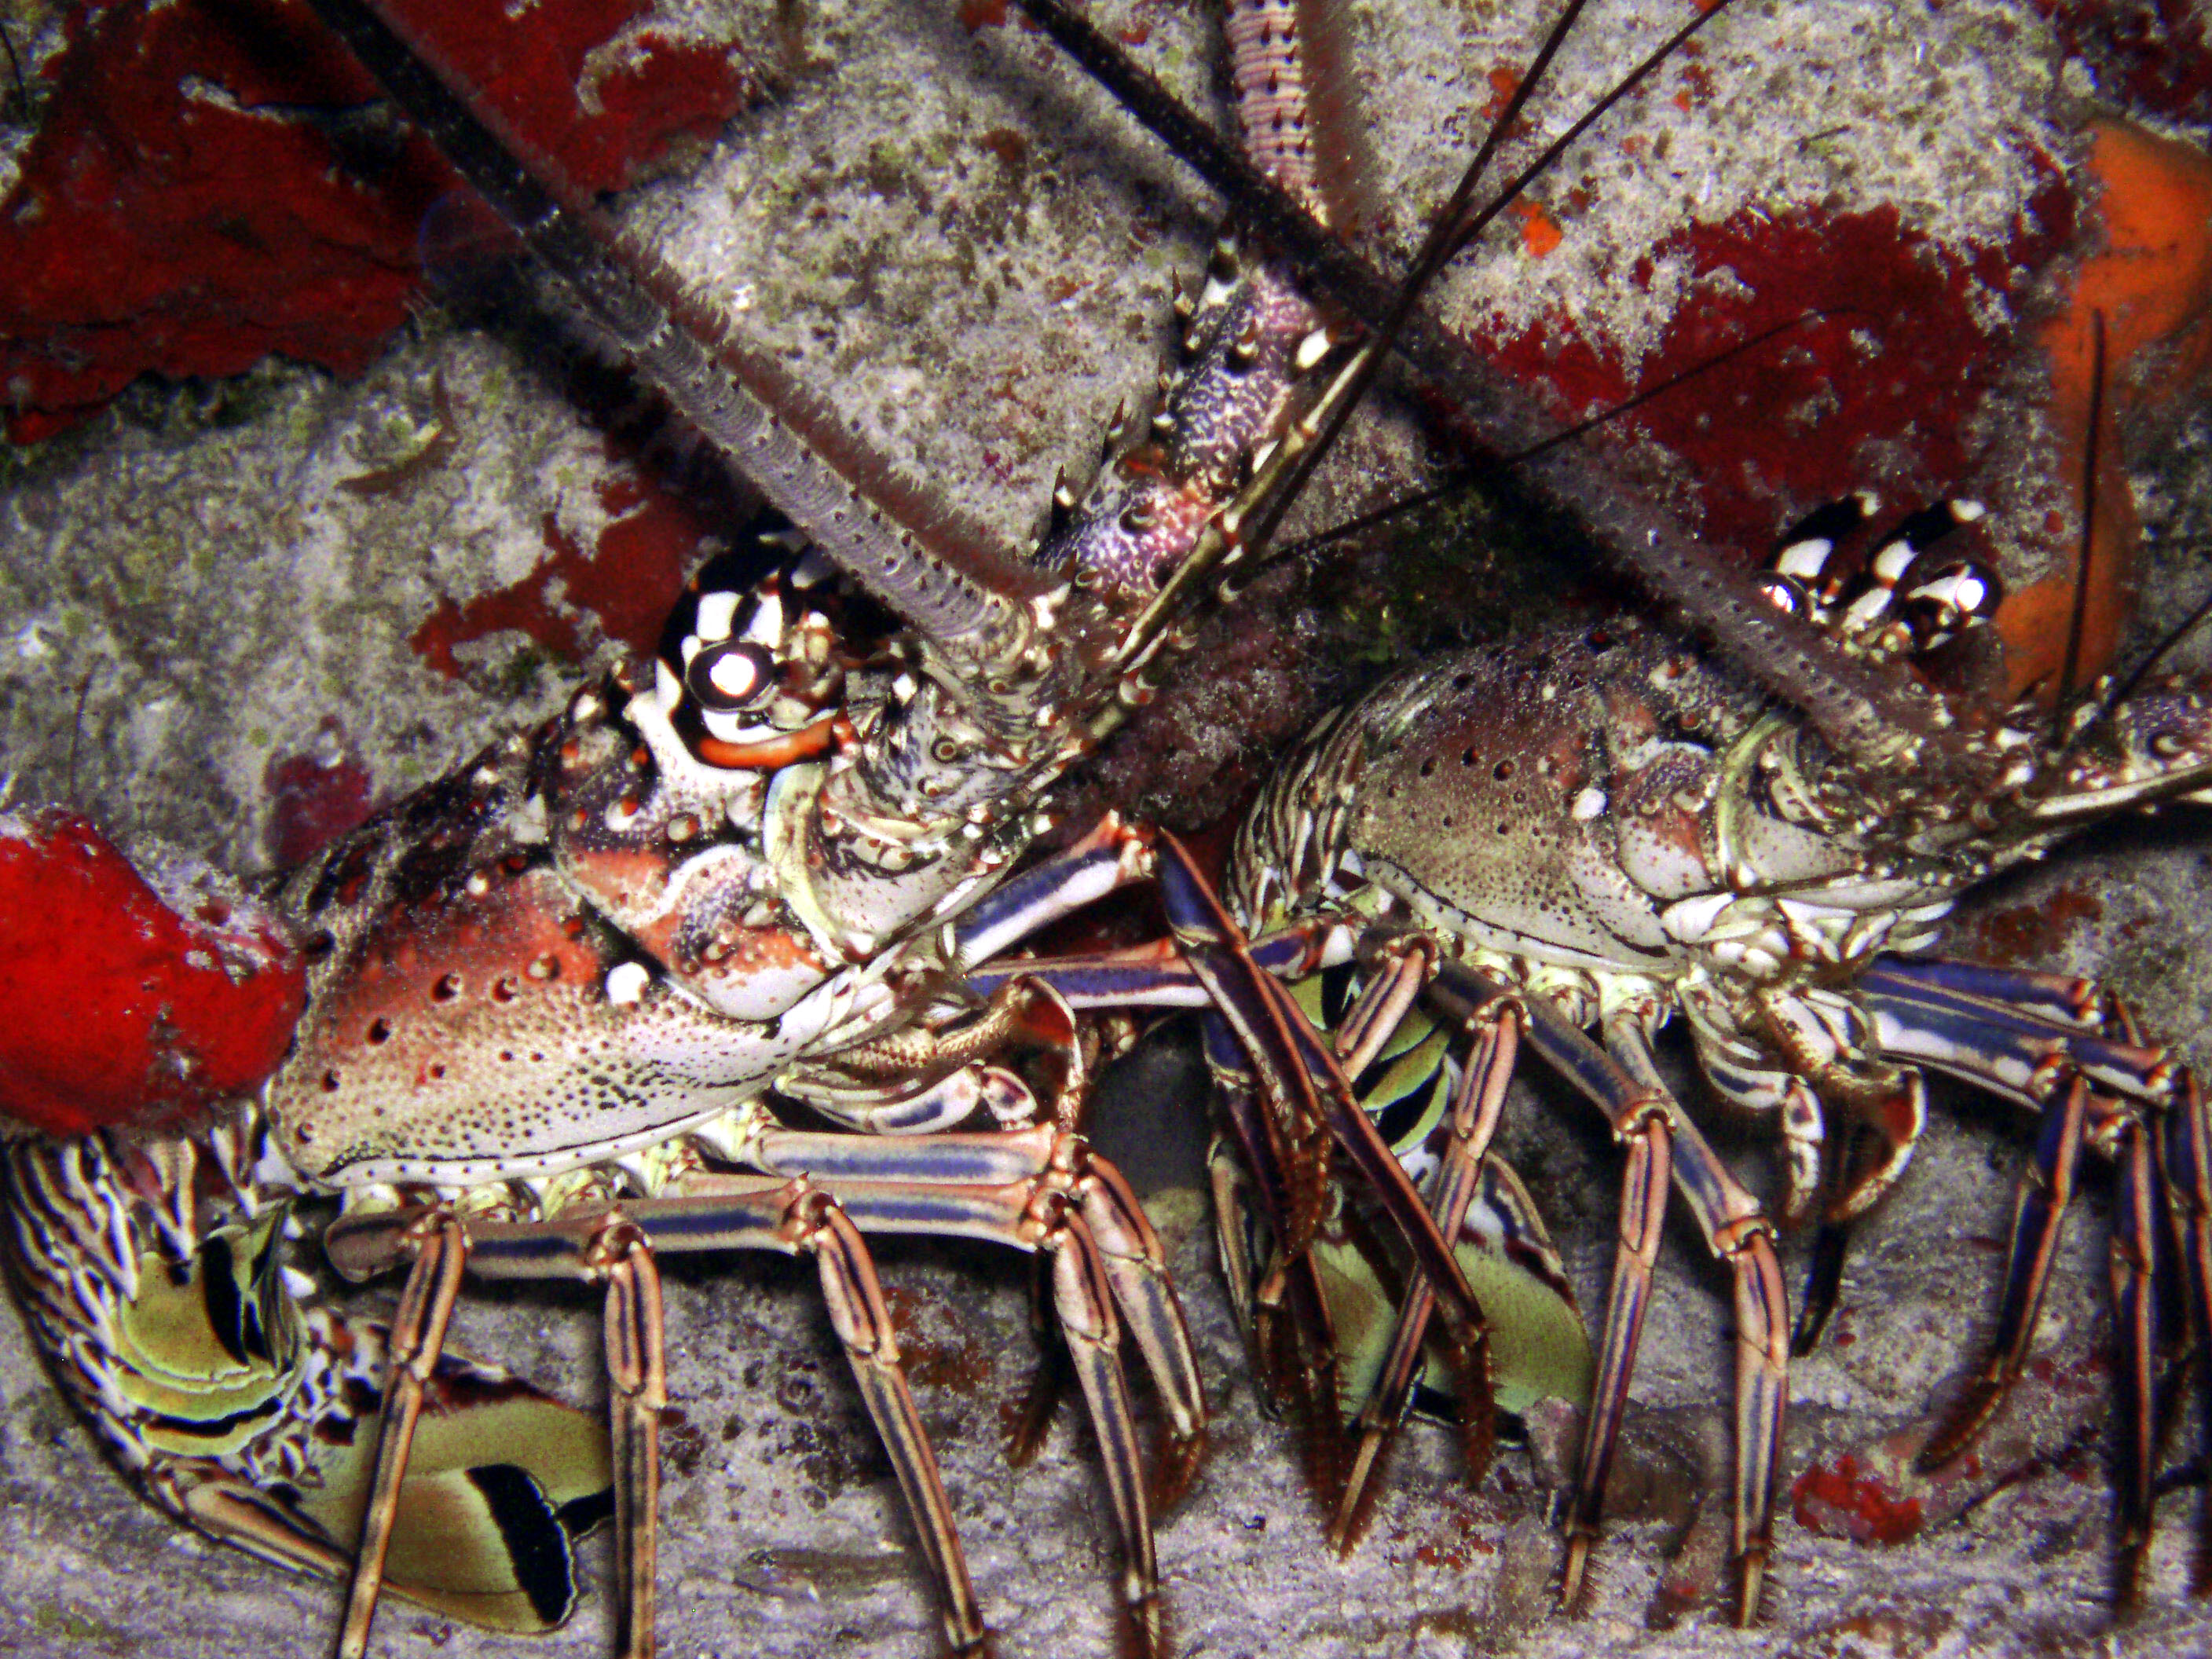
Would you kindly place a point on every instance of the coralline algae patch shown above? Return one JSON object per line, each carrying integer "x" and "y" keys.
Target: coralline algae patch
{"x": 2153, "y": 55}
{"x": 1879, "y": 349}
{"x": 626, "y": 581}
{"x": 1840, "y": 1500}
{"x": 205, "y": 189}
{"x": 1810, "y": 241}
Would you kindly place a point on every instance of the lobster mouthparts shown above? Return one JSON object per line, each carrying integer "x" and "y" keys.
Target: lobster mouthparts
{"x": 128, "y": 1004}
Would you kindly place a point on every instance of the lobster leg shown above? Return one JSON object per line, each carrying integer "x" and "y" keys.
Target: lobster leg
{"x": 1823, "y": 1286}
{"x": 1027, "y": 1215}
{"x": 1661, "y": 1141}
{"x": 1278, "y": 1300}
{"x": 1135, "y": 1270}
{"x": 1084, "y": 1301}
{"x": 1382, "y": 1007}
{"x": 1642, "y": 1214}
{"x": 1477, "y": 1105}
{"x": 2017, "y": 1035}
{"x": 1040, "y": 1161}
{"x": 2038, "y": 1212}
{"x": 863, "y": 1322}
{"x": 418, "y": 1334}
{"x": 1219, "y": 967}
{"x": 1036, "y": 1189}
{"x": 715, "y": 1210}
{"x": 1737, "y": 1231}
{"x": 1038, "y": 1215}
{"x": 1310, "y": 1087}
{"x": 2135, "y": 1301}
{"x": 637, "y": 1393}
{"x": 1295, "y": 1061}
{"x": 1113, "y": 854}
{"x": 618, "y": 1243}
{"x": 2185, "y": 1169}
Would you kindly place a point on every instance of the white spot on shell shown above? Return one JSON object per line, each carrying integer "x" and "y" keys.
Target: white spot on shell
{"x": 1692, "y": 918}
{"x": 1805, "y": 560}
{"x": 626, "y": 983}
{"x": 734, "y": 675}
{"x": 716, "y": 612}
{"x": 1588, "y": 804}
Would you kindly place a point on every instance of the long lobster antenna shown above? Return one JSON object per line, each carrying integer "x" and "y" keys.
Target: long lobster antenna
{"x": 1447, "y": 230}
{"x": 1462, "y": 481}
{"x": 1877, "y": 719}
{"x": 2071, "y": 667}
{"x": 944, "y": 575}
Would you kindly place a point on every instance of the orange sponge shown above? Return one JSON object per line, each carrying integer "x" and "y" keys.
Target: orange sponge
{"x": 2152, "y": 282}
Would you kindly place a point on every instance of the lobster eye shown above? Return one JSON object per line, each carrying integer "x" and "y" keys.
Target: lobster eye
{"x": 729, "y": 675}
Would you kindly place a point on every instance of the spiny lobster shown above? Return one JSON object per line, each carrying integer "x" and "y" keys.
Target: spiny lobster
{"x": 1600, "y": 828}
{"x": 561, "y": 979}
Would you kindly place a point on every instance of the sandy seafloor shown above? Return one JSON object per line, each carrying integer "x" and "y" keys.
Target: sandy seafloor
{"x": 182, "y": 601}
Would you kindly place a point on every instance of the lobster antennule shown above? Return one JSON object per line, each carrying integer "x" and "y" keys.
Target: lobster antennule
{"x": 920, "y": 556}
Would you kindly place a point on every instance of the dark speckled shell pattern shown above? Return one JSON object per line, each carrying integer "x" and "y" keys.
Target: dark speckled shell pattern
{"x": 499, "y": 965}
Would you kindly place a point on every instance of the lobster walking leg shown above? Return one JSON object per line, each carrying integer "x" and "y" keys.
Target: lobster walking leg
{"x": 2076, "y": 1055}
{"x": 1383, "y": 1006}
{"x": 1642, "y": 1213}
{"x": 618, "y": 1244}
{"x": 937, "y": 1172}
{"x": 2185, "y": 1170}
{"x": 418, "y": 1336}
{"x": 1277, "y": 1292}
{"x": 637, "y": 1394}
{"x": 1295, "y": 1063}
{"x": 1478, "y": 1104}
{"x": 1254, "y": 1048}
{"x": 1037, "y": 1189}
{"x": 2046, "y": 1188}
{"x": 1737, "y": 1231}
{"x": 1084, "y": 1301}
{"x": 1130, "y": 1257}
{"x": 863, "y": 1323}
{"x": 2135, "y": 1301}
{"x": 1662, "y": 1142}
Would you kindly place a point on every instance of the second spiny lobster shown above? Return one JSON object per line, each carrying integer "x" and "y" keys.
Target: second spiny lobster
{"x": 545, "y": 998}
